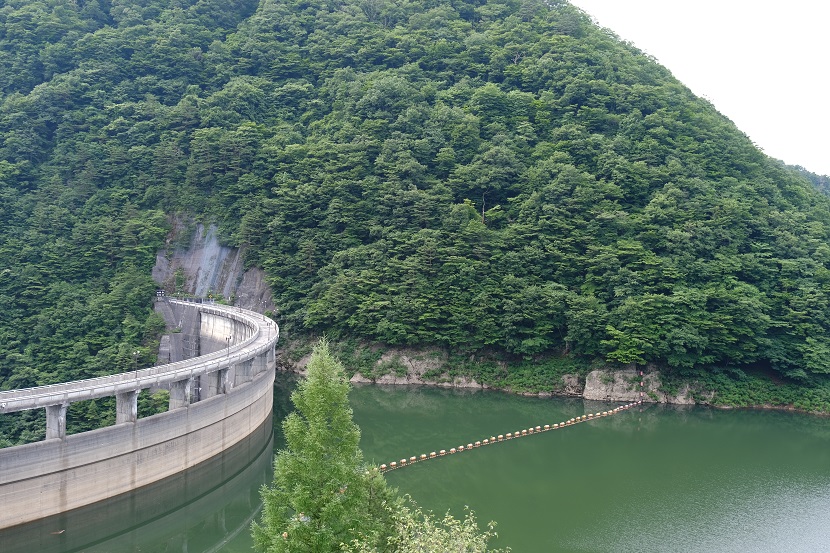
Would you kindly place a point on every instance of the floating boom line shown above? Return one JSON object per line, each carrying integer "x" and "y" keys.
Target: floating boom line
{"x": 504, "y": 437}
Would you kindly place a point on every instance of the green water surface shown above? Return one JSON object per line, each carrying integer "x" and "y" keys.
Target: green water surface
{"x": 657, "y": 479}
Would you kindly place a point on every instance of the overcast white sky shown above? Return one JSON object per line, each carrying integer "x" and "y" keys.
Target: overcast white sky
{"x": 765, "y": 65}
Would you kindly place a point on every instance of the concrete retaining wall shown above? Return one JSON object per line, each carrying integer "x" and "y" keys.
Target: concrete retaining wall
{"x": 214, "y": 332}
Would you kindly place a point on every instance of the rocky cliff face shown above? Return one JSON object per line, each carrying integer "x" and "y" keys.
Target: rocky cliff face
{"x": 206, "y": 267}
{"x": 426, "y": 366}
{"x": 624, "y": 385}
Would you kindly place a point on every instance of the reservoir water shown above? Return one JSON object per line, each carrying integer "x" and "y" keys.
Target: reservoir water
{"x": 657, "y": 479}
{"x": 660, "y": 479}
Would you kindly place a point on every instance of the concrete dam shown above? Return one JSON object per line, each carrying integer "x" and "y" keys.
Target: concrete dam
{"x": 216, "y": 400}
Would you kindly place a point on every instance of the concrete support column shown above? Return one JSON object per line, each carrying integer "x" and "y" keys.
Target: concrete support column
{"x": 242, "y": 372}
{"x": 126, "y": 406}
{"x": 196, "y": 389}
{"x": 180, "y": 393}
{"x": 260, "y": 363}
{"x": 56, "y": 421}
{"x": 272, "y": 357}
{"x": 217, "y": 382}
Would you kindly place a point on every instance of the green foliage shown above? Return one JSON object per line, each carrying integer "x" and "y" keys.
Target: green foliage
{"x": 153, "y": 404}
{"x": 475, "y": 175}
{"x": 324, "y": 498}
{"x": 323, "y": 494}
{"x": 752, "y": 387}
{"x": 417, "y": 531}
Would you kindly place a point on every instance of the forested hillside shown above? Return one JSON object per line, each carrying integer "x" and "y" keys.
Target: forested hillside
{"x": 473, "y": 174}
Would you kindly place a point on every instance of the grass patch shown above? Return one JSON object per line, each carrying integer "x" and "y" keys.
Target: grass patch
{"x": 746, "y": 388}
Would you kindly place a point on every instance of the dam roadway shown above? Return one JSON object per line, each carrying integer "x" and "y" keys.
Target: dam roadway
{"x": 216, "y": 400}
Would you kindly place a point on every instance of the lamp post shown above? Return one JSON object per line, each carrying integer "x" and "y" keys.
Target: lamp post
{"x": 136, "y": 353}
{"x": 228, "y": 342}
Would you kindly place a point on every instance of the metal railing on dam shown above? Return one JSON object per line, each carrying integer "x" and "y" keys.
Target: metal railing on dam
{"x": 216, "y": 400}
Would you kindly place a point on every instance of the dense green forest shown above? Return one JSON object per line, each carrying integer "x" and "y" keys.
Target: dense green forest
{"x": 479, "y": 175}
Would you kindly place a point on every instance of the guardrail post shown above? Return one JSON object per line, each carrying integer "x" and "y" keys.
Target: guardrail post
{"x": 56, "y": 421}
{"x": 126, "y": 406}
{"x": 180, "y": 393}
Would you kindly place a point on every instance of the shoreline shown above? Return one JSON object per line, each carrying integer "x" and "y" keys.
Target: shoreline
{"x": 472, "y": 385}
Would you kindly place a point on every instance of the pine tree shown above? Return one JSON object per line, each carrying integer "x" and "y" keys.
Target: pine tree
{"x": 323, "y": 495}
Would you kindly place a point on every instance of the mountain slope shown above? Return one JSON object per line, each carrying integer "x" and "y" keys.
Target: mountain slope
{"x": 477, "y": 175}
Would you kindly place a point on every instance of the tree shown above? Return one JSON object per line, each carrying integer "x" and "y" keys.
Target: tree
{"x": 324, "y": 498}
{"x": 417, "y": 531}
{"x": 323, "y": 495}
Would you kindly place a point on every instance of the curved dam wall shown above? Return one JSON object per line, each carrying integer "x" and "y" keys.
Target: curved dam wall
{"x": 46, "y": 478}
{"x": 140, "y": 520}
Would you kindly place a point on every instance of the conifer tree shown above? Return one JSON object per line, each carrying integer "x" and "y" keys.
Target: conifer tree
{"x": 323, "y": 495}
